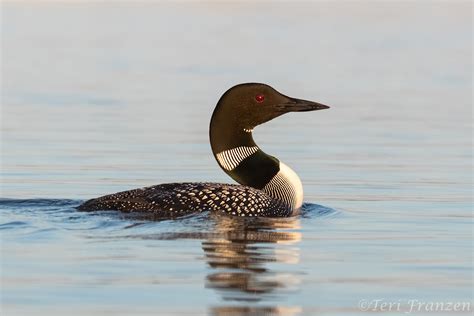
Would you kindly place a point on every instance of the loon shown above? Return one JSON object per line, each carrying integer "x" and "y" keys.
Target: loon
{"x": 268, "y": 187}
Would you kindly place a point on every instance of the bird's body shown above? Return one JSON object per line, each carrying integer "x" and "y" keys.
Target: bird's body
{"x": 269, "y": 188}
{"x": 180, "y": 199}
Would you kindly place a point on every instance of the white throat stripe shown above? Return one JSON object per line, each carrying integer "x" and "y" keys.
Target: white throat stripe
{"x": 230, "y": 159}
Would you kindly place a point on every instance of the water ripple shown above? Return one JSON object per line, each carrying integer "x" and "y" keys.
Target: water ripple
{"x": 13, "y": 225}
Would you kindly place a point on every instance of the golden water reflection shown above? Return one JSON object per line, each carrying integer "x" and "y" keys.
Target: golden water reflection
{"x": 252, "y": 261}
{"x": 255, "y": 311}
{"x": 241, "y": 257}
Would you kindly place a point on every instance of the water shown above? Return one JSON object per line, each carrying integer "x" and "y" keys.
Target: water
{"x": 98, "y": 98}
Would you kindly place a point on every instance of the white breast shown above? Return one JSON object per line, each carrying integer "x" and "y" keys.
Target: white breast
{"x": 286, "y": 186}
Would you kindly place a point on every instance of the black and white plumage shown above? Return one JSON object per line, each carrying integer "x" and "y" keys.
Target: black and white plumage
{"x": 269, "y": 188}
{"x": 231, "y": 158}
{"x": 179, "y": 199}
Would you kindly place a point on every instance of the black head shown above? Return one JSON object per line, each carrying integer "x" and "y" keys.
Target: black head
{"x": 250, "y": 104}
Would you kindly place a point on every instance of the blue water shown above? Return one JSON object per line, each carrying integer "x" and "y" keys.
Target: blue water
{"x": 100, "y": 98}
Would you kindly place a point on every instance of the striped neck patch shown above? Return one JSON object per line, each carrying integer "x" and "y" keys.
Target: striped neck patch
{"x": 231, "y": 158}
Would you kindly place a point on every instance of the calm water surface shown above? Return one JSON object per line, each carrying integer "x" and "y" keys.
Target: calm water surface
{"x": 98, "y": 98}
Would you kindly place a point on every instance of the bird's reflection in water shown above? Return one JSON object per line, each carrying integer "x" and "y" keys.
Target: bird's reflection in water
{"x": 249, "y": 260}
{"x": 255, "y": 311}
{"x": 240, "y": 255}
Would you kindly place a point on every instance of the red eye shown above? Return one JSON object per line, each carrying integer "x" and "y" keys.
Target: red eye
{"x": 259, "y": 98}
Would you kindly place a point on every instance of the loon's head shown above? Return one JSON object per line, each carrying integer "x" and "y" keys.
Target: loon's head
{"x": 238, "y": 111}
{"x": 250, "y": 104}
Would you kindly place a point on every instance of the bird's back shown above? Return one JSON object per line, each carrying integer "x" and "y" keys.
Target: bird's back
{"x": 180, "y": 199}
